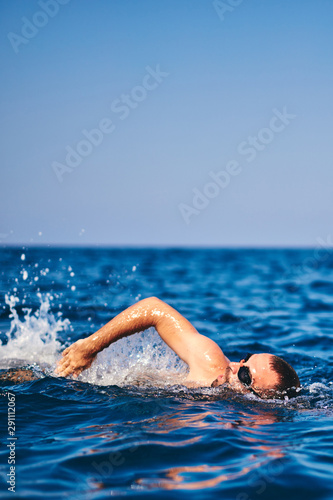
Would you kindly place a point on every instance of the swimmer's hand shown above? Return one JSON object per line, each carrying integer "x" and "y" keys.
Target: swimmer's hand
{"x": 76, "y": 358}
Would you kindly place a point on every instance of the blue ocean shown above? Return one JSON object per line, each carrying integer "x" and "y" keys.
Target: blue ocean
{"x": 127, "y": 427}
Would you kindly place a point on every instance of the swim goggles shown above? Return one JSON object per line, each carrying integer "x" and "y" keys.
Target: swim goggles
{"x": 244, "y": 375}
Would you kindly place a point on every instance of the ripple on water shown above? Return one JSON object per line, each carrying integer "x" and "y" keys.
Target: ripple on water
{"x": 128, "y": 426}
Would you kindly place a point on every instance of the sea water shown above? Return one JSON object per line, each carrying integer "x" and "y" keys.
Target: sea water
{"x": 128, "y": 426}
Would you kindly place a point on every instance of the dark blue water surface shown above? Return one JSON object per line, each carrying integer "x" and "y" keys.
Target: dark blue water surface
{"x": 127, "y": 426}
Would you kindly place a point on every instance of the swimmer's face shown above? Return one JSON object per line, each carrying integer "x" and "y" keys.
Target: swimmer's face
{"x": 251, "y": 374}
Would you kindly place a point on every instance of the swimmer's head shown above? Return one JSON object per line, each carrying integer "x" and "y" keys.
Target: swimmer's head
{"x": 266, "y": 375}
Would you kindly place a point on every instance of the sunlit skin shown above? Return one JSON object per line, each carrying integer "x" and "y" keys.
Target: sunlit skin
{"x": 208, "y": 365}
{"x": 263, "y": 377}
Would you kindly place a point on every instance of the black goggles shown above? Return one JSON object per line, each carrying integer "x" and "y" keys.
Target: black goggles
{"x": 244, "y": 375}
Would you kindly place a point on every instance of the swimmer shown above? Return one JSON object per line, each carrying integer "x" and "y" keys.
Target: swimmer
{"x": 265, "y": 375}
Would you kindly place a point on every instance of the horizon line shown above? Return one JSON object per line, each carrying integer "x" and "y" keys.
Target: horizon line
{"x": 159, "y": 246}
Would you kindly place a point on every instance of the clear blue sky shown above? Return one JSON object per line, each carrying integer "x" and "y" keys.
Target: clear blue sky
{"x": 224, "y": 78}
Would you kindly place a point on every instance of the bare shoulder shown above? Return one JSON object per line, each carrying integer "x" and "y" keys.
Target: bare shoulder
{"x": 201, "y": 353}
{"x": 206, "y": 358}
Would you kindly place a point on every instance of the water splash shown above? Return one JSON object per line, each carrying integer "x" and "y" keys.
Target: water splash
{"x": 32, "y": 339}
{"x": 143, "y": 360}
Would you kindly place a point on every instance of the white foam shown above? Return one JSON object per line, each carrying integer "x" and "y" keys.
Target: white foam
{"x": 142, "y": 359}
{"x": 33, "y": 339}
{"x": 317, "y": 387}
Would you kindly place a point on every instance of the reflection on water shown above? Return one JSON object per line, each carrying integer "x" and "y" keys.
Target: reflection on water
{"x": 249, "y": 431}
{"x": 176, "y": 477}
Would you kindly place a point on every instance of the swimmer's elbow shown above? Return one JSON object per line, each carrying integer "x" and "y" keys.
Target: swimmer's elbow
{"x": 153, "y": 301}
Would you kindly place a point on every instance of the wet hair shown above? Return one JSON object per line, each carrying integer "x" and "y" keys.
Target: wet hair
{"x": 288, "y": 378}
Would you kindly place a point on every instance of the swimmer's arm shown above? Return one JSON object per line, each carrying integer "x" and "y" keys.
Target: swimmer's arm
{"x": 176, "y": 331}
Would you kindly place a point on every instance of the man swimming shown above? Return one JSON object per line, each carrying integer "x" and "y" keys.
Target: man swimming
{"x": 266, "y": 375}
